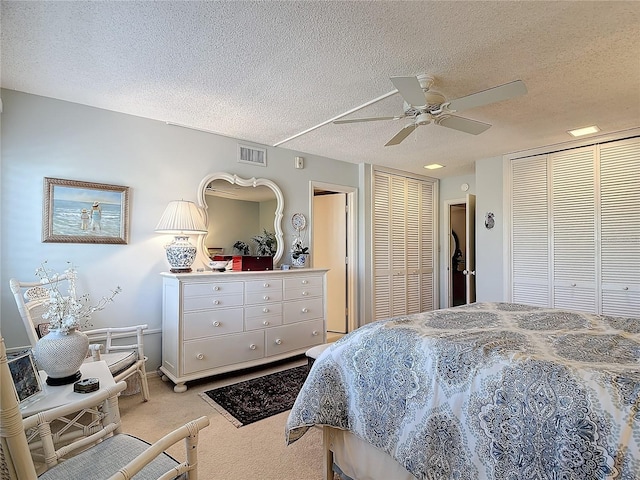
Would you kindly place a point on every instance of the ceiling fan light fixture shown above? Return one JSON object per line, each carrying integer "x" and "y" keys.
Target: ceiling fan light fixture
{"x": 433, "y": 166}
{"x": 579, "y": 132}
{"x": 423, "y": 119}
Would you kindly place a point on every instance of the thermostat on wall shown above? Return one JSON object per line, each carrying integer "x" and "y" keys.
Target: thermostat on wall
{"x": 464, "y": 187}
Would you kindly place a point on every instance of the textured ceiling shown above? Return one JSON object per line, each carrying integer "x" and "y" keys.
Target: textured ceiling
{"x": 264, "y": 71}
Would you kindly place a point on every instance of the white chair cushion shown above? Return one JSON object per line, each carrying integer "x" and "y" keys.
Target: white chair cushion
{"x": 118, "y": 361}
{"x": 106, "y": 458}
{"x": 315, "y": 352}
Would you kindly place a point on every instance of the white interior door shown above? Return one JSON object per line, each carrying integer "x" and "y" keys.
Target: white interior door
{"x": 330, "y": 251}
{"x": 470, "y": 244}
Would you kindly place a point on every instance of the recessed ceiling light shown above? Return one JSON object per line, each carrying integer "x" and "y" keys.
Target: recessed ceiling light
{"x": 433, "y": 166}
{"x": 579, "y": 132}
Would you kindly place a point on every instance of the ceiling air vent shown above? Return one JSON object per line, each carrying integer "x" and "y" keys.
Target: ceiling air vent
{"x": 252, "y": 155}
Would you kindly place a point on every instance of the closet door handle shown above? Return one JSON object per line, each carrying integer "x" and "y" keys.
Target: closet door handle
{"x": 216, "y": 324}
{"x": 252, "y": 346}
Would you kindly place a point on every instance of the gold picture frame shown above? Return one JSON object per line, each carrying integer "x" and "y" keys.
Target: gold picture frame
{"x": 84, "y": 212}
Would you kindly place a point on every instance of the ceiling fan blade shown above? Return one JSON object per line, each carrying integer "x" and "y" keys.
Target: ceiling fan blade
{"x": 401, "y": 135}
{"x": 463, "y": 124}
{"x": 492, "y": 95}
{"x": 410, "y": 89}
{"x": 368, "y": 119}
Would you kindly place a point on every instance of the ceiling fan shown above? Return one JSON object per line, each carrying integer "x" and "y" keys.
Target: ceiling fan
{"x": 423, "y": 106}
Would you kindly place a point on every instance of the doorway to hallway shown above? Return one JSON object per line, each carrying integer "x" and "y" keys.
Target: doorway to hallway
{"x": 332, "y": 246}
{"x": 460, "y": 285}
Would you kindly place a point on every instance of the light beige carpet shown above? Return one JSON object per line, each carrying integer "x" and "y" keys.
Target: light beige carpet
{"x": 252, "y": 452}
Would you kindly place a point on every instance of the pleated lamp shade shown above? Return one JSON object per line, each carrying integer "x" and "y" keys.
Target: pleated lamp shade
{"x": 181, "y": 218}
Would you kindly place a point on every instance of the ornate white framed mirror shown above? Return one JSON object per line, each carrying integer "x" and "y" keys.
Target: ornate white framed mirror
{"x": 237, "y": 209}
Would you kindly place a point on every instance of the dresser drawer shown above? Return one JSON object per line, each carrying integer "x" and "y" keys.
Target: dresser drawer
{"x": 211, "y": 322}
{"x": 301, "y": 310}
{"x": 212, "y": 302}
{"x": 255, "y": 323}
{"x": 293, "y": 337}
{"x": 265, "y": 310}
{"x": 198, "y": 355}
{"x": 217, "y": 288}
{"x": 301, "y": 282}
{"x": 270, "y": 285}
{"x": 309, "y": 291}
{"x": 261, "y": 291}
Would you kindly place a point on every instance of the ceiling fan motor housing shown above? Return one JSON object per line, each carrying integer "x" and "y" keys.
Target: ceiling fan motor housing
{"x": 423, "y": 119}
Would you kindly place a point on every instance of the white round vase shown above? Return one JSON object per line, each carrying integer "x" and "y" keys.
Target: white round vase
{"x": 60, "y": 355}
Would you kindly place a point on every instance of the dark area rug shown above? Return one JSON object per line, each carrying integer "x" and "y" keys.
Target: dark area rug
{"x": 252, "y": 400}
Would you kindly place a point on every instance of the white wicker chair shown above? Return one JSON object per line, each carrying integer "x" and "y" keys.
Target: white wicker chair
{"x": 126, "y": 362}
{"x": 104, "y": 454}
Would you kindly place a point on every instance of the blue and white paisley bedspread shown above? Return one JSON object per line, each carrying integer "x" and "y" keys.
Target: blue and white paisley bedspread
{"x": 486, "y": 391}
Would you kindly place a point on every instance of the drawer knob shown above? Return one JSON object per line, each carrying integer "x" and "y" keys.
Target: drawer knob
{"x": 265, "y": 323}
{"x": 304, "y": 294}
{"x": 266, "y": 285}
{"x": 625, "y": 288}
{"x": 216, "y": 302}
{"x": 200, "y": 356}
{"x": 278, "y": 341}
{"x": 216, "y": 288}
{"x": 304, "y": 282}
{"x": 266, "y": 297}
{"x": 265, "y": 310}
{"x": 252, "y": 346}
{"x": 314, "y": 333}
{"x": 305, "y": 310}
{"x": 216, "y": 324}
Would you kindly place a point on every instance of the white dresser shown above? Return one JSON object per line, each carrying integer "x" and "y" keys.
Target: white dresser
{"x": 216, "y": 322}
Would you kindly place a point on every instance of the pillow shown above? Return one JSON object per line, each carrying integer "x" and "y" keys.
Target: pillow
{"x": 42, "y": 329}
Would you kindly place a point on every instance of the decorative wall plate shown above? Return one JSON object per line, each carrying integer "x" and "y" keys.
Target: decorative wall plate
{"x": 298, "y": 221}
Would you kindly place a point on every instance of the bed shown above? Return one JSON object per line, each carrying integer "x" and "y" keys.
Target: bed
{"x": 483, "y": 391}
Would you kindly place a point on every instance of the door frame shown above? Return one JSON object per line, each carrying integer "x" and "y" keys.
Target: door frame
{"x": 352, "y": 242}
{"x": 447, "y": 248}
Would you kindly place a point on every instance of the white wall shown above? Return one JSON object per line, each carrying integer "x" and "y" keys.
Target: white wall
{"x": 42, "y": 137}
{"x": 489, "y": 243}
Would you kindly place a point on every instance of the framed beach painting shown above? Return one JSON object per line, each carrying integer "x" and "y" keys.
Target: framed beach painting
{"x": 84, "y": 212}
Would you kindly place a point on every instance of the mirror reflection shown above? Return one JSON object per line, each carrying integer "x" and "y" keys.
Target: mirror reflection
{"x": 243, "y": 217}
{"x": 236, "y": 215}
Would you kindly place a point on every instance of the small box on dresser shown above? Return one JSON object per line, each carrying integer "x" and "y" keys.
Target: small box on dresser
{"x": 215, "y": 322}
{"x": 250, "y": 263}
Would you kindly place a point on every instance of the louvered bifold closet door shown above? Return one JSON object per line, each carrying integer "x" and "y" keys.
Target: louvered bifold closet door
{"x": 413, "y": 253}
{"x": 382, "y": 246}
{"x": 403, "y": 245}
{"x": 398, "y": 245}
{"x": 530, "y": 232}
{"x": 427, "y": 250}
{"x": 620, "y": 227}
{"x": 573, "y": 214}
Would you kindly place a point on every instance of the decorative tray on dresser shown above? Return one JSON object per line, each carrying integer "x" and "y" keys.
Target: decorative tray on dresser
{"x": 217, "y": 322}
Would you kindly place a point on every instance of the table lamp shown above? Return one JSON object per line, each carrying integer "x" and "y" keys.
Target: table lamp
{"x": 181, "y": 218}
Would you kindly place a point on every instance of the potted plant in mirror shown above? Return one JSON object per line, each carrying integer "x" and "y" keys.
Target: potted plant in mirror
{"x": 265, "y": 244}
{"x": 241, "y": 247}
{"x": 63, "y": 349}
{"x": 299, "y": 253}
